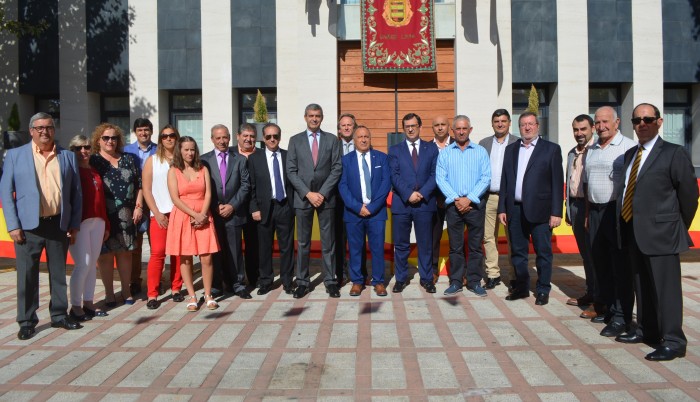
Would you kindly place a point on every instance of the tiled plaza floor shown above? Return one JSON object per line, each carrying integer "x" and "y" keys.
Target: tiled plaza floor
{"x": 410, "y": 346}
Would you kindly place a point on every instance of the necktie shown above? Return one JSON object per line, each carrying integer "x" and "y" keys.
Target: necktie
{"x": 222, "y": 172}
{"x": 368, "y": 178}
{"x": 279, "y": 188}
{"x": 314, "y": 149}
{"x": 631, "y": 184}
{"x": 414, "y": 156}
{"x": 347, "y": 149}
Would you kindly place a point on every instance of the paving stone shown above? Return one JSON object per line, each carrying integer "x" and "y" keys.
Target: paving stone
{"x": 630, "y": 367}
{"x": 59, "y": 368}
{"x": 245, "y": 311}
{"x": 505, "y": 333}
{"x": 502, "y": 398}
{"x": 194, "y": 372}
{"x": 22, "y": 363}
{"x": 149, "y": 369}
{"x": 312, "y": 312}
{"x": 384, "y": 335}
{"x": 185, "y": 336}
{"x": 344, "y": 335}
{"x": 224, "y": 336}
{"x": 446, "y": 398}
{"x": 68, "y": 397}
{"x": 424, "y": 335}
{"x": 416, "y": 309}
{"x": 557, "y": 309}
{"x": 546, "y": 333}
{"x": 303, "y": 336}
{"x": 291, "y": 371}
{"x": 18, "y": 396}
{"x": 388, "y": 371}
{"x": 226, "y": 398}
{"x": 147, "y": 335}
{"x": 465, "y": 335}
{"x": 485, "y": 370}
{"x": 451, "y": 311}
{"x": 242, "y": 371}
{"x": 390, "y": 399}
{"x": 587, "y": 332}
{"x": 338, "y": 371}
{"x": 279, "y": 311}
{"x": 348, "y": 311}
{"x": 381, "y": 310}
{"x": 172, "y": 398}
{"x": 534, "y": 369}
{"x": 613, "y": 396}
{"x": 523, "y": 308}
{"x": 557, "y": 397}
{"x": 103, "y": 369}
{"x": 692, "y": 323}
{"x": 109, "y": 337}
{"x": 264, "y": 336}
{"x": 484, "y": 307}
{"x": 583, "y": 368}
{"x": 436, "y": 371}
{"x": 335, "y": 399}
{"x": 675, "y": 395}
{"x": 684, "y": 369}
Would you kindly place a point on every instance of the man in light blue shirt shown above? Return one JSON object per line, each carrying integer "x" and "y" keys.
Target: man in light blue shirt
{"x": 463, "y": 174}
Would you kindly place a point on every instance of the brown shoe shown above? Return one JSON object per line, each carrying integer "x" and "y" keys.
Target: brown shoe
{"x": 356, "y": 289}
{"x": 380, "y": 289}
{"x": 589, "y": 313}
{"x": 584, "y": 300}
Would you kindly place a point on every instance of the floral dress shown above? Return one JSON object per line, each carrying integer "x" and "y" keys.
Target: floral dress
{"x": 121, "y": 185}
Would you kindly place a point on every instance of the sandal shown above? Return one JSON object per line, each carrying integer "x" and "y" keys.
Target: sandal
{"x": 193, "y": 305}
{"x": 211, "y": 303}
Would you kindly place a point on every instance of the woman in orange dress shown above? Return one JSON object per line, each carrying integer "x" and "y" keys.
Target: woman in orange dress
{"x": 191, "y": 229}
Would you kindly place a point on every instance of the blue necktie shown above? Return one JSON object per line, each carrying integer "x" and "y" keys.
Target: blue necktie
{"x": 279, "y": 188}
{"x": 368, "y": 178}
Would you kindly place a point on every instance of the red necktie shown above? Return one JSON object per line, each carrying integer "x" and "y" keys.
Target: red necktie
{"x": 414, "y": 156}
{"x": 314, "y": 149}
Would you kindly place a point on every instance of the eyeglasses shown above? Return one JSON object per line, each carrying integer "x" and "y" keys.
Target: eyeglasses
{"x": 646, "y": 120}
{"x": 43, "y": 128}
{"x": 410, "y": 126}
{"x": 528, "y": 124}
{"x": 171, "y": 136}
{"x": 80, "y": 147}
{"x": 107, "y": 138}
{"x": 271, "y": 136}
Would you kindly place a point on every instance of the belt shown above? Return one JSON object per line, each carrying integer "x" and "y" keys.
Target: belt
{"x": 494, "y": 192}
{"x": 284, "y": 201}
{"x": 48, "y": 218}
{"x": 598, "y": 207}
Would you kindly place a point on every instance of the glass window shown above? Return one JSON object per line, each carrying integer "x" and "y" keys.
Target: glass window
{"x": 677, "y": 120}
{"x": 521, "y": 96}
{"x": 115, "y": 110}
{"x": 50, "y": 105}
{"x": 186, "y": 115}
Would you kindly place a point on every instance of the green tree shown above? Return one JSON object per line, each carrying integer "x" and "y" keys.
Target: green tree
{"x": 533, "y": 101}
{"x": 260, "y": 109}
{"x": 13, "y": 123}
{"x": 20, "y": 28}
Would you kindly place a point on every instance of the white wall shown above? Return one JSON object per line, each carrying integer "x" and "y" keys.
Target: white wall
{"x": 144, "y": 96}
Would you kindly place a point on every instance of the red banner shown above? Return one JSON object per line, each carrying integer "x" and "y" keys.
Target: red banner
{"x": 398, "y": 36}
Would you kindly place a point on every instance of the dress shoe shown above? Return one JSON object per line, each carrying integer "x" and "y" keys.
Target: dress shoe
{"x": 289, "y": 289}
{"x": 380, "y": 290}
{"x": 588, "y": 313}
{"x": 429, "y": 287}
{"x": 541, "y": 299}
{"x": 25, "y": 333}
{"x": 356, "y": 289}
{"x": 664, "y": 353}
{"x": 178, "y": 297}
{"x": 629, "y": 337}
{"x": 66, "y": 323}
{"x": 613, "y": 329}
{"x": 601, "y": 318}
{"x": 264, "y": 289}
{"x": 518, "y": 295}
{"x": 584, "y": 300}
{"x": 130, "y": 301}
{"x": 300, "y": 291}
{"x": 79, "y": 318}
{"x": 333, "y": 291}
{"x": 95, "y": 313}
{"x": 453, "y": 289}
{"x": 492, "y": 282}
{"x": 243, "y": 294}
{"x": 399, "y": 287}
{"x": 152, "y": 304}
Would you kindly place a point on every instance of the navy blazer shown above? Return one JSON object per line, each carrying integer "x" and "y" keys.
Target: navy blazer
{"x": 405, "y": 179}
{"x": 543, "y": 183}
{"x": 351, "y": 190}
{"x": 19, "y": 189}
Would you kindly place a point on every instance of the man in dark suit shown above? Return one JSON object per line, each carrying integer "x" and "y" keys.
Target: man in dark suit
{"x": 271, "y": 209}
{"x": 230, "y": 185}
{"x": 364, "y": 187}
{"x": 42, "y": 203}
{"x": 314, "y": 168}
{"x": 413, "y": 178}
{"x": 530, "y": 204}
{"x": 658, "y": 204}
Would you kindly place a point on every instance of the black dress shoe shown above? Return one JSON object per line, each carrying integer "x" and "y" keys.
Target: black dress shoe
{"x": 264, "y": 289}
{"x": 613, "y": 329}
{"x": 300, "y": 291}
{"x": 66, "y": 323}
{"x": 518, "y": 295}
{"x": 542, "y": 299}
{"x": 25, "y": 333}
{"x": 664, "y": 353}
{"x": 95, "y": 313}
{"x": 429, "y": 287}
{"x": 288, "y": 289}
{"x": 152, "y": 304}
{"x": 333, "y": 291}
{"x": 178, "y": 297}
{"x": 79, "y": 318}
{"x": 399, "y": 287}
{"x": 243, "y": 294}
{"x": 492, "y": 282}
{"x": 629, "y": 337}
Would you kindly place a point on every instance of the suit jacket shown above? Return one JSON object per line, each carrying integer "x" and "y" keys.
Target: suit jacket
{"x": 665, "y": 199}
{"x": 488, "y": 142}
{"x": 543, "y": 183}
{"x": 406, "y": 179}
{"x": 19, "y": 190}
{"x": 261, "y": 187}
{"x": 237, "y": 185}
{"x": 304, "y": 176}
{"x": 351, "y": 191}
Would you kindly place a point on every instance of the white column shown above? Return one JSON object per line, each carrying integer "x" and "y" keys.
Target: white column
{"x": 648, "y": 54}
{"x": 217, "y": 79}
{"x": 695, "y": 122}
{"x": 476, "y": 65}
{"x": 307, "y": 63}
{"x": 144, "y": 96}
{"x": 80, "y": 110}
{"x": 504, "y": 56}
{"x": 570, "y": 96}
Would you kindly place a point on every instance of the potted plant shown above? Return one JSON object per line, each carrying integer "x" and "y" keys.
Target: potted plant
{"x": 260, "y": 115}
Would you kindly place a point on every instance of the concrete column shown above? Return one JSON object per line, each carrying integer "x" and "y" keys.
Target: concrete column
{"x": 144, "y": 96}
{"x": 476, "y": 64}
{"x": 307, "y": 63}
{"x": 80, "y": 109}
{"x": 217, "y": 80}
{"x": 504, "y": 56}
{"x": 695, "y": 122}
{"x": 570, "y": 95}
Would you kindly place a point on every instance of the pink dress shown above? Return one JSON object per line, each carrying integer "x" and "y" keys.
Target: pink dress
{"x": 183, "y": 238}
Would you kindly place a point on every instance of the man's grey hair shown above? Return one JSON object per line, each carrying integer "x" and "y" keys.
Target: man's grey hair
{"x": 218, "y": 126}
{"x": 460, "y": 117}
{"x": 39, "y": 116}
{"x": 313, "y": 106}
{"x": 614, "y": 112}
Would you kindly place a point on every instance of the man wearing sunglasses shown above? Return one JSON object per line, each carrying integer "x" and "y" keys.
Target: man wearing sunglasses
{"x": 657, "y": 205}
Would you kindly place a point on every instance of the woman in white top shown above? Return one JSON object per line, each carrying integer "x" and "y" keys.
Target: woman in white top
{"x": 155, "y": 193}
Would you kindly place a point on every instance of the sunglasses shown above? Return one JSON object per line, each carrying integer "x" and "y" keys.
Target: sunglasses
{"x": 646, "y": 120}
{"x": 107, "y": 138}
{"x": 171, "y": 136}
{"x": 271, "y": 136}
{"x": 80, "y": 147}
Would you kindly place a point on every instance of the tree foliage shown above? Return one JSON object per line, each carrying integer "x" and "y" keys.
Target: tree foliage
{"x": 533, "y": 101}
{"x": 260, "y": 109}
{"x": 21, "y": 28}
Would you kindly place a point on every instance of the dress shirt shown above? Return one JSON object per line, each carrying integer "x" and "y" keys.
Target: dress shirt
{"x": 365, "y": 199}
{"x": 645, "y": 153}
{"x": 438, "y": 144}
{"x": 523, "y": 158}
{"x": 310, "y": 137}
{"x": 48, "y": 174}
{"x": 461, "y": 173}
{"x": 604, "y": 168}
{"x": 410, "y": 146}
{"x": 270, "y": 168}
{"x": 144, "y": 154}
{"x": 218, "y": 157}
{"x": 348, "y": 146}
{"x": 498, "y": 149}
{"x": 576, "y": 174}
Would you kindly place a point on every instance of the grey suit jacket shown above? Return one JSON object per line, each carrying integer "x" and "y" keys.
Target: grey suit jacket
{"x": 488, "y": 142}
{"x": 322, "y": 178}
{"x": 237, "y": 186}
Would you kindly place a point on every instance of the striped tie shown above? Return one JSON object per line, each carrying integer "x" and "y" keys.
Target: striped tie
{"x": 631, "y": 184}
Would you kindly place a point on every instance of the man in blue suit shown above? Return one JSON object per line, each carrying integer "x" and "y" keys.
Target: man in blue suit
{"x": 530, "y": 204}
{"x": 43, "y": 207}
{"x": 364, "y": 187}
{"x": 413, "y": 178}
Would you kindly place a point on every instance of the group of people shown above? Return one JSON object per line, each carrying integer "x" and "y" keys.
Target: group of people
{"x": 620, "y": 199}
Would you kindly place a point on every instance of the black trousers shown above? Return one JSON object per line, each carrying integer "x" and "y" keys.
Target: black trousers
{"x": 474, "y": 222}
